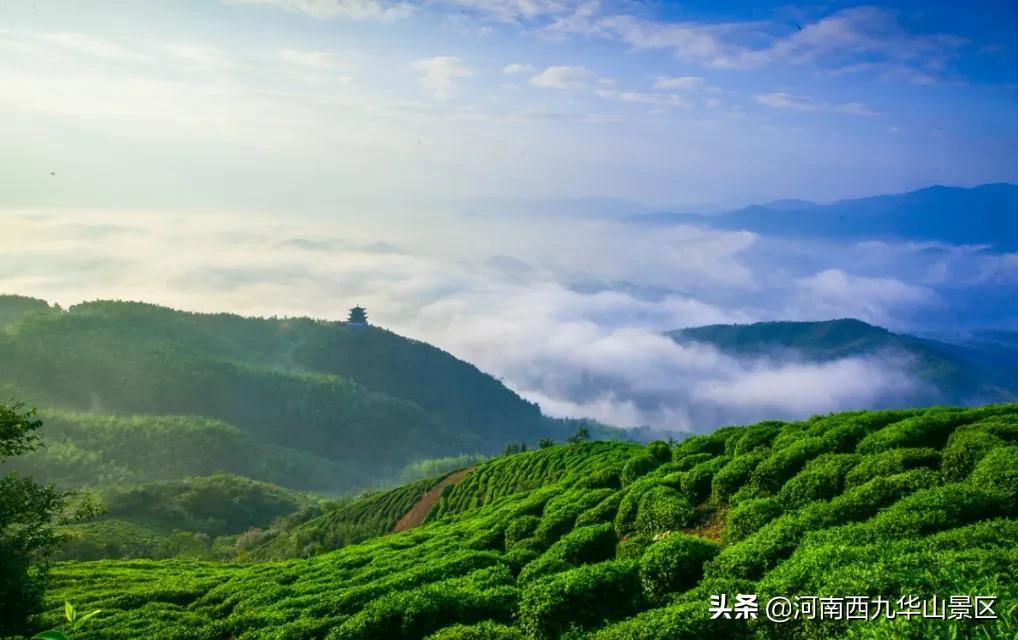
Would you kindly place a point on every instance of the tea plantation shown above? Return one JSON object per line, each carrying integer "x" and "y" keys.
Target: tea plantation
{"x": 616, "y": 541}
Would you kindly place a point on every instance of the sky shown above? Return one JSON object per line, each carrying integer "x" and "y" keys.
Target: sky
{"x": 455, "y": 167}
{"x": 320, "y": 105}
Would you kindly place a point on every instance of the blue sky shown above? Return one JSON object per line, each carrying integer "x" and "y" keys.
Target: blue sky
{"x": 324, "y": 105}
{"x": 291, "y": 157}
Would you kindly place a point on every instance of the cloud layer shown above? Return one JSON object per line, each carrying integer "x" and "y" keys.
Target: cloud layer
{"x": 568, "y": 313}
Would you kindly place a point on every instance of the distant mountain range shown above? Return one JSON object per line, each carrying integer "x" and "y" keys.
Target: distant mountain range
{"x": 983, "y": 368}
{"x": 987, "y": 214}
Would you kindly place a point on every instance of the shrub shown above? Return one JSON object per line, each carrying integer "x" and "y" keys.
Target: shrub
{"x": 745, "y": 492}
{"x": 734, "y": 475}
{"x": 519, "y": 529}
{"x": 660, "y": 451}
{"x": 632, "y": 547}
{"x": 785, "y": 463}
{"x": 747, "y": 517}
{"x": 891, "y": 462}
{"x": 754, "y": 437}
{"x": 966, "y": 447}
{"x": 600, "y": 479}
{"x": 762, "y": 550}
{"x": 674, "y": 564}
{"x": 673, "y": 479}
{"x": 583, "y": 597}
{"x": 930, "y": 428}
{"x": 486, "y": 630}
{"x": 418, "y": 612}
{"x": 560, "y": 514}
{"x": 663, "y": 509}
{"x": 998, "y": 471}
{"x": 688, "y": 461}
{"x": 822, "y": 479}
{"x": 713, "y": 444}
{"x": 685, "y": 620}
{"x": 866, "y": 500}
{"x": 938, "y": 508}
{"x": 696, "y": 482}
{"x": 520, "y": 557}
{"x": 637, "y": 467}
{"x": 603, "y": 511}
{"x": 581, "y": 546}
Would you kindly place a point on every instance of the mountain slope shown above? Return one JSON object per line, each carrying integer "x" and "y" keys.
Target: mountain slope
{"x": 193, "y": 518}
{"x": 633, "y": 542}
{"x": 987, "y": 214}
{"x": 322, "y": 389}
{"x": 957, "y": 374}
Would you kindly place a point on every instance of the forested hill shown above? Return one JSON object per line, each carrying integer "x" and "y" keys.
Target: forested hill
{"x": 305, "y": 403}
{"x": 976, "y": 372}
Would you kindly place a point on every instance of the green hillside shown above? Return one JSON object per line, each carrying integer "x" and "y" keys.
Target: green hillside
{"x": 197, "y": 517}
{"x": 366, "y": 517}
{"x": 298, "y": 402}
{"x": 619, "y": 541}
{"x": 956, "y": 374}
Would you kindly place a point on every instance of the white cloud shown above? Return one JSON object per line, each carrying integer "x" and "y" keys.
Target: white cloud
{"x": 680, "y": 83}
{"x": 352, "y": 9}
{"x": 835, "y": 293}
{"x": 441, "y": 73}
{"x": 781, "y": 100}
{"x": 595, "y": 351}
{"x": 202, "y": 56}
{"x": 565, "y": 78}
{"x": 851, "y": 39}
{"x": 83, "y": 43}
{"x": 670, "y": 100}
{"x": 518, "y": 68}
{"x": 516, "y": 11}
{"x": 315, "y": 60}
{"x": 802, "y": 389}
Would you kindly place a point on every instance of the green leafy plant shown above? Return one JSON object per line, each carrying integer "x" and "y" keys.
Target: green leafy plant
{"x": 74, "y": 619}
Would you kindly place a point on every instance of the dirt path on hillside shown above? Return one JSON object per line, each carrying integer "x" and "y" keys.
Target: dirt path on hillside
{"x": 419, "y": 512}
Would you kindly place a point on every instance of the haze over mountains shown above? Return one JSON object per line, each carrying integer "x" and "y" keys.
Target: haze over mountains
{"x": 983, "y": 215}
{"x": 571, "y": 312}
{"x": 333, "y": 407}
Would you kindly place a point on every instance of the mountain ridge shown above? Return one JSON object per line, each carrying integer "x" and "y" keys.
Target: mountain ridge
{"x": 983, "y": 214}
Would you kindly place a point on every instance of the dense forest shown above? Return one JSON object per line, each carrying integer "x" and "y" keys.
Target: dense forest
{"x": 133, "y": 392}
{"x": 622, "y": 541}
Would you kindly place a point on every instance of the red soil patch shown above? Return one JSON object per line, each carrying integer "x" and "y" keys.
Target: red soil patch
{"x": 419, "y": 512}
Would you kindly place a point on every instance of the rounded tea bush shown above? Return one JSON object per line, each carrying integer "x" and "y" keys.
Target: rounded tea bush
{"x": 520, "y": 529}
{"x": 749, "y": 516}
{"x": 484, "y": 631}
{"x": 998, "y": 471}
{"x": 674, "y": 564}
{"x": 637, "y": 467}
{"x": 963, "y": 451}
{"x": 659, "y": 450}
{"x": 582, "y": 597}
{"x": 663, "y": 509}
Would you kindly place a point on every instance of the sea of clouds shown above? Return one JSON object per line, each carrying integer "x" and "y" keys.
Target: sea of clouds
{"x": 568, "y": 313}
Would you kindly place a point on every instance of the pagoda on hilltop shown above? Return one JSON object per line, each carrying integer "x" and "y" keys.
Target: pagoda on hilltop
{"x": 358, "y": 317}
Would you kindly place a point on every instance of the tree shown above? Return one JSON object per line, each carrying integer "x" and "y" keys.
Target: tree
{"x": 545, "y": 442}
{"x": 582, "y": 435}
{"x": 28, "y": 513}
{"x": 514, "y": 447}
